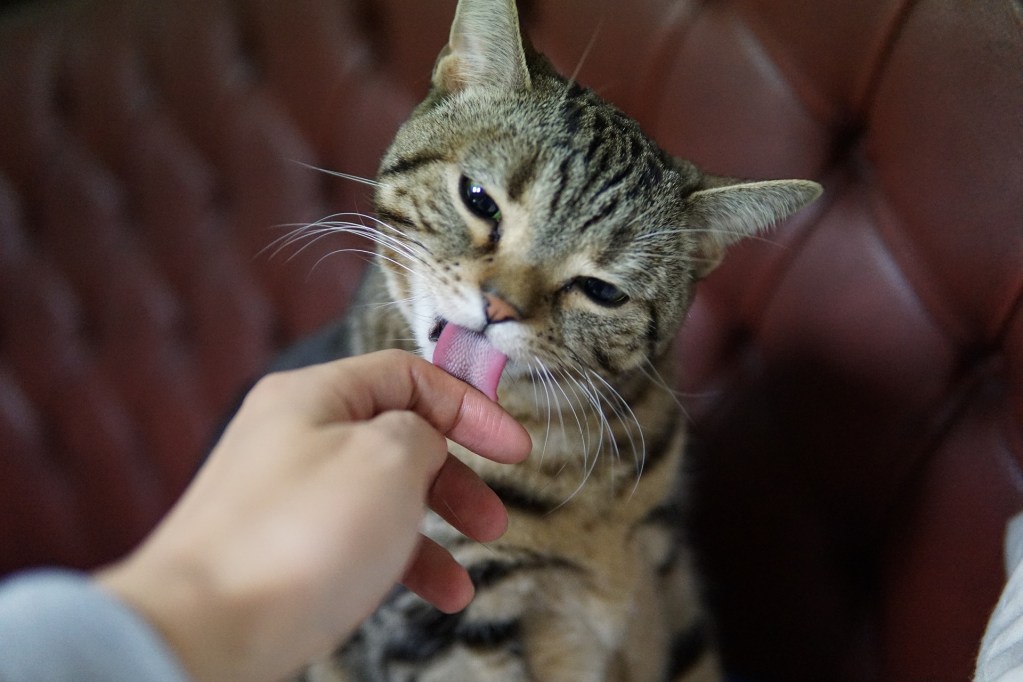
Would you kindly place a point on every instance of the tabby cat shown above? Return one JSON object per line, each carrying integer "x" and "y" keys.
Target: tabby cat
{"x": 533, "y": 241}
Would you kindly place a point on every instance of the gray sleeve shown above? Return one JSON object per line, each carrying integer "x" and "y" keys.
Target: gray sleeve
{"x": 58, "y": 625}
{"x": 1001, "y": 651}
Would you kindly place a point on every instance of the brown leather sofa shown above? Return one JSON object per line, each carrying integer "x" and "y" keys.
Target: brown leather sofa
{"x": 855, "y": 380}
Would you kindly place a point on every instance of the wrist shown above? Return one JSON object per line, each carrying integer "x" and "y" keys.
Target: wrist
{"x": 179, "y": 605}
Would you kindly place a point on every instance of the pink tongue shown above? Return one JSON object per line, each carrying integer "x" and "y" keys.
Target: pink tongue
{"x": 470, "y": 357}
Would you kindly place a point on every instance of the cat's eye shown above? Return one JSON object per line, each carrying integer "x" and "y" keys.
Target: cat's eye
{"x": 601, "y": 292}
{"x": 478, "y": 201}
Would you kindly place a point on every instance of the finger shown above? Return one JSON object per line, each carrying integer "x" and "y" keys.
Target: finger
{"x": 436, "y": 577}
{"x": 368, "y": 385}
{"x": 462, "y": 499}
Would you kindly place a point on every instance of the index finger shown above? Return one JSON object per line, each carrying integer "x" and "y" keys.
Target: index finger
{"x": 362, "y": 387}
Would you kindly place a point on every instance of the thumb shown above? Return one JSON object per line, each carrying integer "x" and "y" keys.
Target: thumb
{"x": 360, "y": 388}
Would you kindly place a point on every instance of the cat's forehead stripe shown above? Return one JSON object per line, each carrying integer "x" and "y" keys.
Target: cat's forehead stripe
{"x": 522, "y": 176}
{"x": 602, "y": 213}
{"x": 411, "y": 163}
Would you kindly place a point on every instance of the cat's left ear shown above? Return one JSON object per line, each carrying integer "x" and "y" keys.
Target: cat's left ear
{"x": 724, "y": 213}
{"x": 484, "y": 50}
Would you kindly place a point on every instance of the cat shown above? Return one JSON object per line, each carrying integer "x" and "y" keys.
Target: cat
{"x": 532, "y": 240}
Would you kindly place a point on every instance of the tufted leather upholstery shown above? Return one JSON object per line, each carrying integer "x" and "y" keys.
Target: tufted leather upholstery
{"x": 855, "y": 379}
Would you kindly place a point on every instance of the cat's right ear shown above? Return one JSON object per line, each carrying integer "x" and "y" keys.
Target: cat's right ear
{"x": 484, "y": 50}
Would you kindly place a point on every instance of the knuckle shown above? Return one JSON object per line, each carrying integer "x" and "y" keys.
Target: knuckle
{"x": 403, "y": 434}
{"x": 395, "y": 356}
{"x": 272, "y": 387}
{"x": 275, "y": 382}
{"x": 396, "y": 420}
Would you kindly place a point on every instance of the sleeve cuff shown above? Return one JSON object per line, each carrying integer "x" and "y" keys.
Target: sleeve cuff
{"x": 58, "y": 625}
{"x": 1001, "y": 651}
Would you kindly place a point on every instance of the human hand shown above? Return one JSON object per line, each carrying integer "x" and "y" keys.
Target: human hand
{"x": 307, "y": 513}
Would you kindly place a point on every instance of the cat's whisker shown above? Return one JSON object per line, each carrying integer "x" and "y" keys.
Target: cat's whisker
{"x": 583, "y": 57}
{"x": 346, "y": 176}
{"x": 571, "y": 362}
{"x": 458, "y": 518}
{"x": 376, "y": 254}
{"x": 594, "y": 403}
{"x": 586, "y": 402}
{"x": 377, "y": 225}
{"x": 533, "y": 376}
{"x": 532, "y": 370}
{"x": 308, "y": 236}
{"x": 309, "y": 233}
{"x": 364, "y": 252}
{"x": 598, "y": 400}
{"x": 547, "y": 379}
{"x": 379, "y": 305}
{"x": 384, "y": 224}
{"x": 333, "y": 222}
{"x": 406, "y": 305}
{"x": 594, "y": 399}
{"x": 299, "y": 233}
{"x": 594, "y": 393}
{"x": 588, "y": 465}
{"x": 374, "y": 235}
{"x": 650, "y": 371}
{"x": 555, "y": 384}
{"x": 412, "y": 250}
{"x": 730, "y": 235}
{"x": 627, "y": 417}
{"x": 387, "y": 242}
{"x": 549, "y": 384}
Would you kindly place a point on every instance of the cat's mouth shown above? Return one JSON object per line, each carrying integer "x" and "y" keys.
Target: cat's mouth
{"x": 468, "y": 355}
{"x": 436, "y": 329}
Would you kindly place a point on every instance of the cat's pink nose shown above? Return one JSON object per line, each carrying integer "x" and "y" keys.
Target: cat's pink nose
{"x": 499, "y": 310}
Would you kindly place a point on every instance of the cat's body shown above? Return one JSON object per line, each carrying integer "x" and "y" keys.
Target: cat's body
{"x": 589, "y": 583}
{"x": 524, "y": 213}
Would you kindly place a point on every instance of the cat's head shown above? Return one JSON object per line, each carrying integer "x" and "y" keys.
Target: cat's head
{"x": 533, "y": 212}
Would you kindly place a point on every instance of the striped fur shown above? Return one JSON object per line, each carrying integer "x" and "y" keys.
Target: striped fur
{"x": 591, "y": 582}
